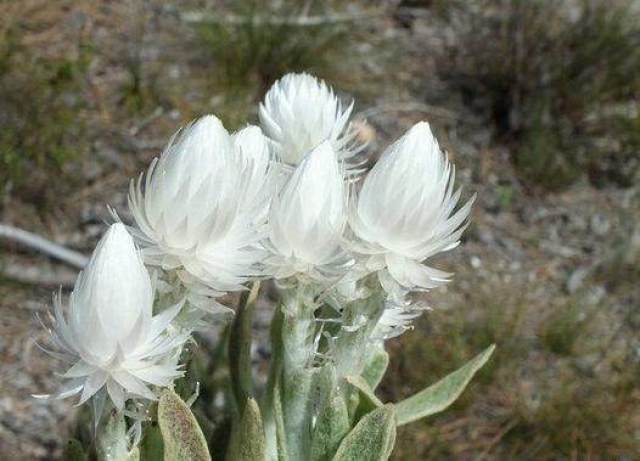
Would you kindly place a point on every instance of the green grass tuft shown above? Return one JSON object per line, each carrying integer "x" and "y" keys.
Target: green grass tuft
{"x": 263, "y": 43}
{"x": 562, "y": 83}
{"x": 556, "y": 387}
{"x": 40, "y": 94}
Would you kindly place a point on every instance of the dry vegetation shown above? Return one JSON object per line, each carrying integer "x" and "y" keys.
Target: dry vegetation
{"x": 537, "y": 103}
{"x": 556, "y": 79}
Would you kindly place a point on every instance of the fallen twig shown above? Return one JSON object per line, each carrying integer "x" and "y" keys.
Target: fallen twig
{"x": 34, "y": 275}
{"x": 298, "y": 21}
{"x": 495, "y": 440}
{"x": 38, "y": 243}
{"x": 435, "y": 111}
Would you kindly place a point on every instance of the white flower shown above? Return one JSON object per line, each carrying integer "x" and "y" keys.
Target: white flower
{"x": 299, "y": 112}
{"x": 405, "y": 213}
{"x": 110, "y": 335}
{"x": 204, "y": 205}
{"x": 307, "y": 219}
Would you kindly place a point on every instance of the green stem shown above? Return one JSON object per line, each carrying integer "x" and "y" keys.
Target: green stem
{"x": 240, "y": 347}
{"x": 271, "y": 401}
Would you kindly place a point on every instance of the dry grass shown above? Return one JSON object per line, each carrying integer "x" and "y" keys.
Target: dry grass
{"x": 559, "y": 80}
{"x": 41, "y": 89}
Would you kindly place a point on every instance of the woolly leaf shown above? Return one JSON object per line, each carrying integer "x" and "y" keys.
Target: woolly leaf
{"x": 440, "y": 395}
{"x": 331, "y": 426}
{"x": 183, "y": 439}
{"x": 372, "y": 439}
{"x": 376, "y": 367}
{"x": 247, "y": 439}
{"x": 278, "y": 414}
{"x": 151, "y": 446}
{"x": 367, "y": 397}
{"x": 272, "y": 405}
{"x": 112, "y": 441}
{"x": 240, "y": 347}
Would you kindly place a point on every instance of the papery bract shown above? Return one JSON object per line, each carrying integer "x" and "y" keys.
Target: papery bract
{"x": 307, "y": 219}
{"x": 110, "y": 336}
{"x": 299, "y": 112}
{"x": 405, "y": 214}
{"x": 203, "y": 207}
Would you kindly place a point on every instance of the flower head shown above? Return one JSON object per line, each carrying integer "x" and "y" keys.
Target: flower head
{"x": 110, "y": 336}
{"x": 307, "y": 219}
{"x": 203, "y": 208}
{"x": 405, "y": 213}
{"x": 299, "y": 112}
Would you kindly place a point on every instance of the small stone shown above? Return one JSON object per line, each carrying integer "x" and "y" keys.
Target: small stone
{"x": 596, "y": 295}
{"x": 476, "y": 262}
{"x": 600, "y": 225}
{"x": 576, "y": 279}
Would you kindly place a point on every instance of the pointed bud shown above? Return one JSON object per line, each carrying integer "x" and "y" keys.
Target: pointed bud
{"x": 308, "y": 217}
{"x": 204, "y": 204}
{"x": 110, "y": 335}
{"x": 299, "y": 112}
{"x": 405, "y": 211}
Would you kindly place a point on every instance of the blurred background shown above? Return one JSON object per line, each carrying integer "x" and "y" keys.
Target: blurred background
{"x": 537, "y": 103}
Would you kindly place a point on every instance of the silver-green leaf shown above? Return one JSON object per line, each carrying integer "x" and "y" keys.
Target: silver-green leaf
{"x": 151, "y": 445}
{"x": 112, "y": 441}
{"x": 331, "y": 426}
{"x": 440, "y": 395}
{"x": 182, "y": 437}
{"x": 372, "y": 439}
{"x": 240, "y": 347}
{"x": 376, "y": 367}
{"x": 278, "y": 415}
{"x": 247, "y": 439}
{"x": 367, "y": 396}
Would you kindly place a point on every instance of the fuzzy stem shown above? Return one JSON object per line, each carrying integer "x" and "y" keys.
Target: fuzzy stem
{"x": 298, "y": 333}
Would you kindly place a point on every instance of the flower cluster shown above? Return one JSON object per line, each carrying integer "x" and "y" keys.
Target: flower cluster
{"x": 288, "y": 200}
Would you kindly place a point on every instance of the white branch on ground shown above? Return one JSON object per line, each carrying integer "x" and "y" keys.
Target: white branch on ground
{"x": 41, "y": 244}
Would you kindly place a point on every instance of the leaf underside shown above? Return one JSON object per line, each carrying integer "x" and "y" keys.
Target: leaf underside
{"x": 183, "y": 439}
{"x": 372, "y": 439}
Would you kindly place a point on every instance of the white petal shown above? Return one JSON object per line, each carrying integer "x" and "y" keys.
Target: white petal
{"x": 79, "y": 369}
{"x": 70, "y": 388}
{"x": 92, "y": 384}
{"x": 116, "y": 393}
{"x": 158, "y": 375}
{"x": 133, "y": 385}
{"x": 411, "y": 274}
